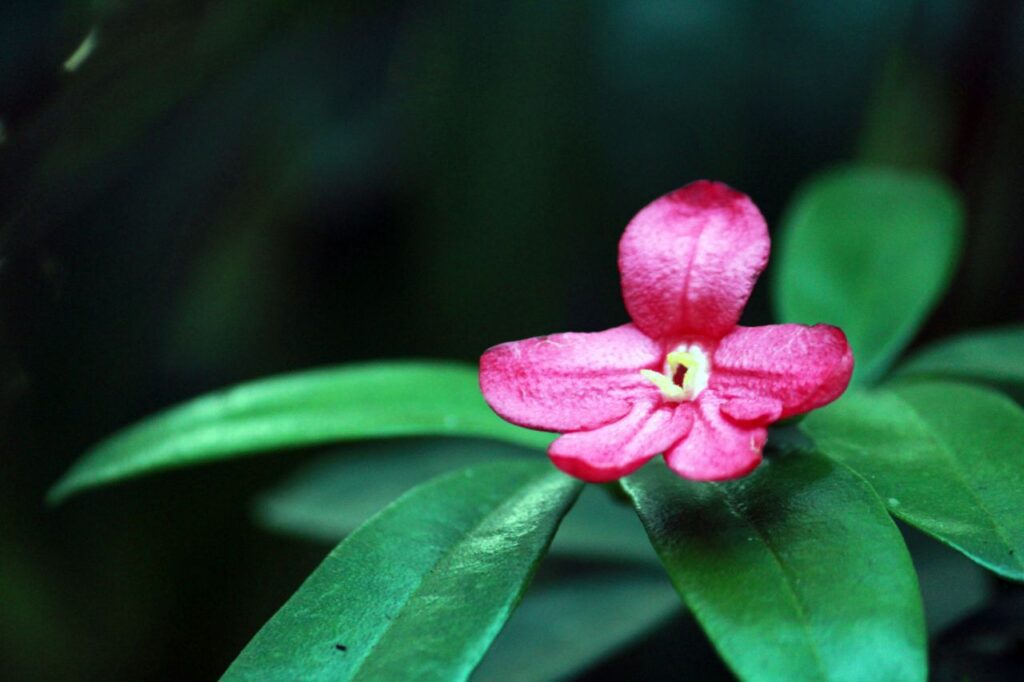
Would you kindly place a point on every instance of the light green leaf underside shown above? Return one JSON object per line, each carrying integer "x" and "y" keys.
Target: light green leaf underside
{"x": 331, "y": 497}
{"x": 376, "y": 400}
{"x": 994, "y": 355}
{"x": 795, "y": 572}
{"x": 563, "y": 627}
{"x": 423, "y": 588}
{"x": 870, "y": 250}
{"x": 947, "y": 458}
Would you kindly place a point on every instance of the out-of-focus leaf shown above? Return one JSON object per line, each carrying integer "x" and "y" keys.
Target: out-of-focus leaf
{"x": 330, "y": 498}
{"x": 796, "y": 572}
{"x": 910, "y": 118}
{"x": 565, "y": 626}
{"x": 984, "y": 647}
{"x": 602, "y": 528}
{"x": 946, "y": 458}
{"x": 952, "y": 585}
{"x": 870, "y": 250}
{"x": 994, "y": 355}
{"x": 422, "y": 589}
{"x": 35, "y": 616}
{"x": 375, "y": 400}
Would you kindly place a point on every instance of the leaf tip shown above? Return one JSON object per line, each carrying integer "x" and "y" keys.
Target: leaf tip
{"x": 68, "y": 485}
{"x": 59, "y": 492}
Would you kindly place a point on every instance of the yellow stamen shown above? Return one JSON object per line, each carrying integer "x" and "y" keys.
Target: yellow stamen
{"x": 691, "y": 362}
{"x": 664, "y": 384}
{"x": 694, "y": 380}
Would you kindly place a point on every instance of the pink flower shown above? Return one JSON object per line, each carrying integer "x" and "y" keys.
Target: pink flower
{"x": 683, "y": 378}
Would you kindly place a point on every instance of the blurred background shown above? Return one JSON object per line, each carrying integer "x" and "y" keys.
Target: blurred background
{"x": 194, "y": 194}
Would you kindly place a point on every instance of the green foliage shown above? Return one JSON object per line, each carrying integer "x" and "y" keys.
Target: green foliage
{"x": 422, "y": 589}
{"x": 946, "y": 458}
{"x": 566, "y": 623}
{"x": 562, "y": 627}
{"x": 795, "y": 572}
{"x": 869, "y": 250}
{"x": 330, "y": 498}
{"x": 376, "y": 400}
{"x": 227, "y": 187}
{"x": 994, "y": 355}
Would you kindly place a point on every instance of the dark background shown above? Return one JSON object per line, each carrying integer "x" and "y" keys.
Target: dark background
{"x": 229, "y": 189}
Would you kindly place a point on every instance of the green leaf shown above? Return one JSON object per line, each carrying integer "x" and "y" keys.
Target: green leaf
{"x": 422, "y": 589}
{"x": 994, "y": 355}
{"x": 330, "y": 498}
{"x": 870, "y": 250}
{"x": 375, "y": 400}
{"x": 565, "y": 626}
{"x": 795, "y": 572}
{"x": 947, "y": 458}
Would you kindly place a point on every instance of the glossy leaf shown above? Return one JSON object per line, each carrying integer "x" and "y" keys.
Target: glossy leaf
{"x": 994, "y": 355}
{"x": 947, "y": 458}
{"x": 331, "y": 497}
{"x": 565, "y": 626}
{"x": 795, "y": 572}
{"x": 869, "y": 250}
{"x": 376, "y": 400}
{"x": 423, "y": 588}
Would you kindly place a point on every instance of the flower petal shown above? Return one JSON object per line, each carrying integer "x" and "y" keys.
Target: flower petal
{"x": 569, "y": 382}
{"x": 801, "y": 367}
{"x": 716, "y": 449}
{"x": 620, "y": 448}
{"x": 690, "y": 259}
{"x": 752, "y": 411}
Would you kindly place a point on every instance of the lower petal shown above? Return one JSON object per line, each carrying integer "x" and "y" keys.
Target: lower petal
{"x": 620, "y": 448}
{"x": 759, "y": 411}
{"x": 716, "y": 449}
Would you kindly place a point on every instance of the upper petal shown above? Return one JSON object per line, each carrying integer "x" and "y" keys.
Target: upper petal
{"x": 689, "y": 261}
{"x": 620, "y": 448}
{"x": 569, "y": 382}
{"x": 801, "y": 367}
{"x": 716, "y": 449}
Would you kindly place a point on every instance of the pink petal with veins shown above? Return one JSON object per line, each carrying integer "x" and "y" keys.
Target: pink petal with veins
{"x": 620, "y": 448}
{"x": 690, "y": 259}
{"x": 716, "y": 449}
{"x": 569, "y": 382}
{"x": 801, "y": 367}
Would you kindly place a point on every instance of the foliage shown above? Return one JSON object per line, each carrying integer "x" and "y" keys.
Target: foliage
{"x": 423, "y": 588}
{"x": 199, "y": 193}
{"x": 796, "y": 571}
{"x": 798, "y": 557}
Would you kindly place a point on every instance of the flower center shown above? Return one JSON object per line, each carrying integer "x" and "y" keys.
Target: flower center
{"x": 687, "y": 370}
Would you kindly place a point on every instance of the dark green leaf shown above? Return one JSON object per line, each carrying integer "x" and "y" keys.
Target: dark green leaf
{"x": 422, "y": 589}
{"x": 330, "y": 498}
{"x": 947, "y": 458}
{"x": 869, "y": 250}
{"x": 994, "y": 355}
{"x": 565, "y": 626}
{"x": 358, "y": 401}
{"x": 795, "y": 572}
